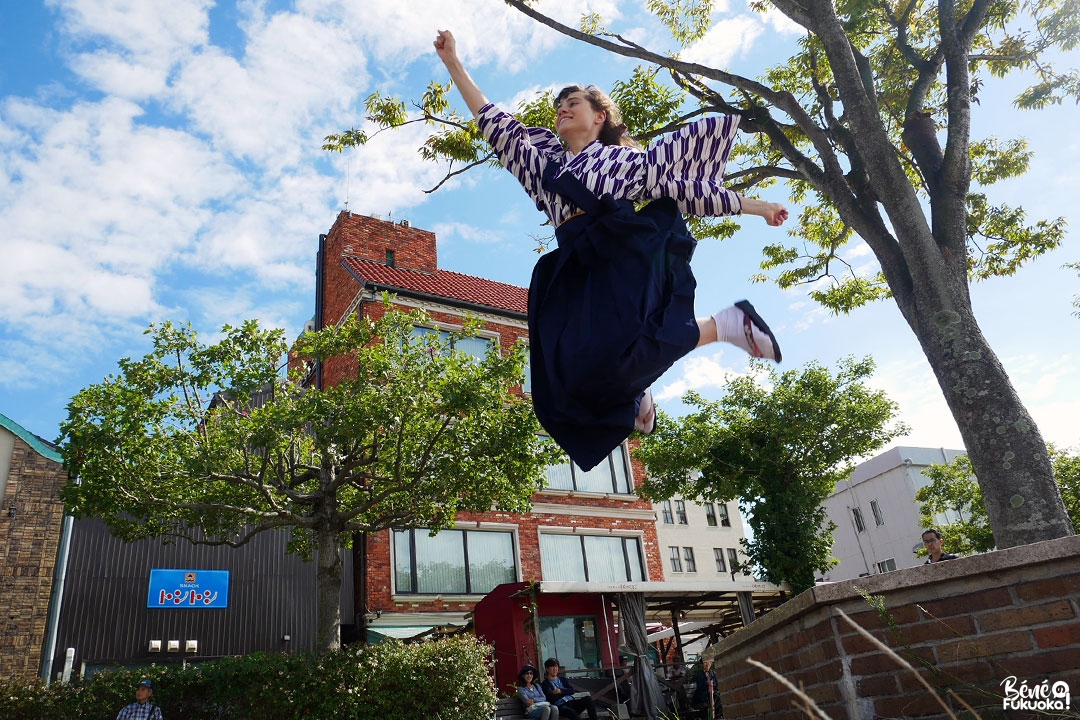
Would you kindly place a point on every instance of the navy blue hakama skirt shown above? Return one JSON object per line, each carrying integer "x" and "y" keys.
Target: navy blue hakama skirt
{"x": 610, "y": 310}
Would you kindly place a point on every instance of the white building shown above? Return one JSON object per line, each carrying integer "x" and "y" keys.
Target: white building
{"x": 876, "y": 515}
{"x": 701, "y": 541}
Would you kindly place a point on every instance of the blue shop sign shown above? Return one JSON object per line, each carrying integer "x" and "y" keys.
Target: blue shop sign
{"x": 188, "y": 589}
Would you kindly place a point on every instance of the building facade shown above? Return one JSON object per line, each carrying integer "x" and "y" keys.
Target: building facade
{"x": 584, "y": 526}
{"x": 31, "y": 520}
{"x": 876, "y": 515}
{"x": 701, "y": 541}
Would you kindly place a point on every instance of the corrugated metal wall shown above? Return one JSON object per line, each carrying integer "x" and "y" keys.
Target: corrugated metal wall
{"x": 105, "y": 618}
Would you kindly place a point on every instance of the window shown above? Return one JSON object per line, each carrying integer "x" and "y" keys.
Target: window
{"x": 710, "y": 515}
{"x": 669, "y": 517}
{"x": 527, "y": 385}
{"x": 676, "y": 559}
{"x": 571, "y": 638}
{"x": 469, "y": 562}
{"x": 725, "y": 520}
{"x": 688, "y": 558}
{"x": 733, "y": 561}
{"x": 879, "y": 519}
{"x": 612, "y": 475}
{"x": 477, "y": 347}
{"x": 680, "y": 511}
{"x": 886, "y": 565}
{"x": 718, "y": 555}
{"x": 856, "y": 515}
{"x": 593, "y": 558}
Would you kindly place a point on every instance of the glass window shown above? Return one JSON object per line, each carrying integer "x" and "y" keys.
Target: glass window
{"x": 572, "y": 639}
{"x": 612, "y": 475}
{"x": 718, "y": 555}
{"x": 733, "y": 560}
{"x": 527, "y": 385}
{"x": 856, "y": 515}
{"x": 471, "y": 562}
{"x": 725, "y": 519}
{"x": 886, "y": 565}
{"x": 669, "y": 516}
{"x": 879, "y": 519}
{"x": 680, "y": 512}
{"x": 676, "y": 559}
{"x": 710, "y": 515}
{"x": 688, "y": 558}
{"x": 476, "y": 347}
{"x": 594, "y": 558}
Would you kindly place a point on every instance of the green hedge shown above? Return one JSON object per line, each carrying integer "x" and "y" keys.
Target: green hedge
{"x": 441, "y": 680}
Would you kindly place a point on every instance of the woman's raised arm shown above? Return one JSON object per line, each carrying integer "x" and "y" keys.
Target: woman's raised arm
{"x": 446, "y": 47}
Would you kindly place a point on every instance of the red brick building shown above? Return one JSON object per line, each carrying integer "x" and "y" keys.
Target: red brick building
{"x": 584, "y": 527}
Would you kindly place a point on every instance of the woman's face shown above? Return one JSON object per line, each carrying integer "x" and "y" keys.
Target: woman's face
{"x": 576, "y": 119}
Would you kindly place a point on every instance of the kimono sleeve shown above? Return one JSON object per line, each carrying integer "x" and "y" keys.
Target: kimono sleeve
{"x": 688, "y": 167}
{"x": 524, "y": 151}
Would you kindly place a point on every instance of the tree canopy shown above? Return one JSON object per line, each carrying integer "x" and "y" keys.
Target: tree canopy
{"x": 212, "y": 443}
{"x": 868, "y": 122}
{"x": 779, "y": 447}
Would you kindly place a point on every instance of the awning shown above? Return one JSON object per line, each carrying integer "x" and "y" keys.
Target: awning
{"x": 401, "y": 633}
{"x": 684, "y": 628}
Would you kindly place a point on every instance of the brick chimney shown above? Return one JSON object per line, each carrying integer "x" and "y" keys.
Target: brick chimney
{"x": 395, "y": 244}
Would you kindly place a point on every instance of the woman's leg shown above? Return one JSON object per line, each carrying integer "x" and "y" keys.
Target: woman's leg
{"x": 740, "y": 325}
{"x": 646, "y": 417}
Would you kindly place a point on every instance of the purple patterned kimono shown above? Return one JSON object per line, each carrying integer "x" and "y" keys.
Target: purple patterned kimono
{"x": 612, "y": 308}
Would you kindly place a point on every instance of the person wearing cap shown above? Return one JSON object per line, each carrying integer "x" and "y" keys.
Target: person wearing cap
{"x": 560, "y": 693}
{"x": 532, "y": 696}
{"x": 143, "y": 708}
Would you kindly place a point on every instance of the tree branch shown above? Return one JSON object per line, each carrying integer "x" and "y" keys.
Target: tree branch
{"x": 487, "y": 158}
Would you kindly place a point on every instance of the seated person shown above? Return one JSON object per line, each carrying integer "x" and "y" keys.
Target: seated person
{"x": 532, "y": 697}
{"x": 560, "y": 693}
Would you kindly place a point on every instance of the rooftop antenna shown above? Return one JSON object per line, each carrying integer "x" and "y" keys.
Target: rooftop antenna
{"x": 348, "y": 180}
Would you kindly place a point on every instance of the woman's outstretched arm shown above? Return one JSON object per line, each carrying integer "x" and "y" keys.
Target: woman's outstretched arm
{"x": 774, "y": 213}
{"x": 446, "y": 47}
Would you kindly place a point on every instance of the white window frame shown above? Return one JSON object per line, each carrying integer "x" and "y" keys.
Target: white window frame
{"x": 718, "y": 556}
{"x": 512, "y": 530}
{"x": 675, "y": 555}
{"x": 689, "y": 561}
{"x": 875, "y": 508}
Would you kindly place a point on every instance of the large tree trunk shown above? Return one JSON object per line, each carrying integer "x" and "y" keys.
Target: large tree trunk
{"x": 328, "y": 580}
{"x": 1006, "y": 449}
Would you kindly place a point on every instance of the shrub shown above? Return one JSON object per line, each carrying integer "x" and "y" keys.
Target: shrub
{"x": 441, "y": 680}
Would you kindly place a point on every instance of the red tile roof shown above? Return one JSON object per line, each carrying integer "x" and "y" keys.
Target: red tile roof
{"x": 441, "y": 283}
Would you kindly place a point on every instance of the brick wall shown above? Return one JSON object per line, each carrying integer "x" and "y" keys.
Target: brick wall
{"x": 413, "y": 248}
{"x": 28, "y": 544}
{"x": 966, "y": 625}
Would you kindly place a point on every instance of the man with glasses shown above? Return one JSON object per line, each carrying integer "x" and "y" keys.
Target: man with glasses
{"x": 931, "y": 540}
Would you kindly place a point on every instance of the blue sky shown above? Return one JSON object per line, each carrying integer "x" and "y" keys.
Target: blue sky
{"x": 161, "y": 160}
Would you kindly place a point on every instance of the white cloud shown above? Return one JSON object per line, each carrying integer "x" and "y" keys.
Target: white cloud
{"x": 701, "y": 373}
{"x": 781, "y": 23}
{"x": 450, "y": 232}
{"x": 725, "y": 41}
{"x": 136, "y": 44}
